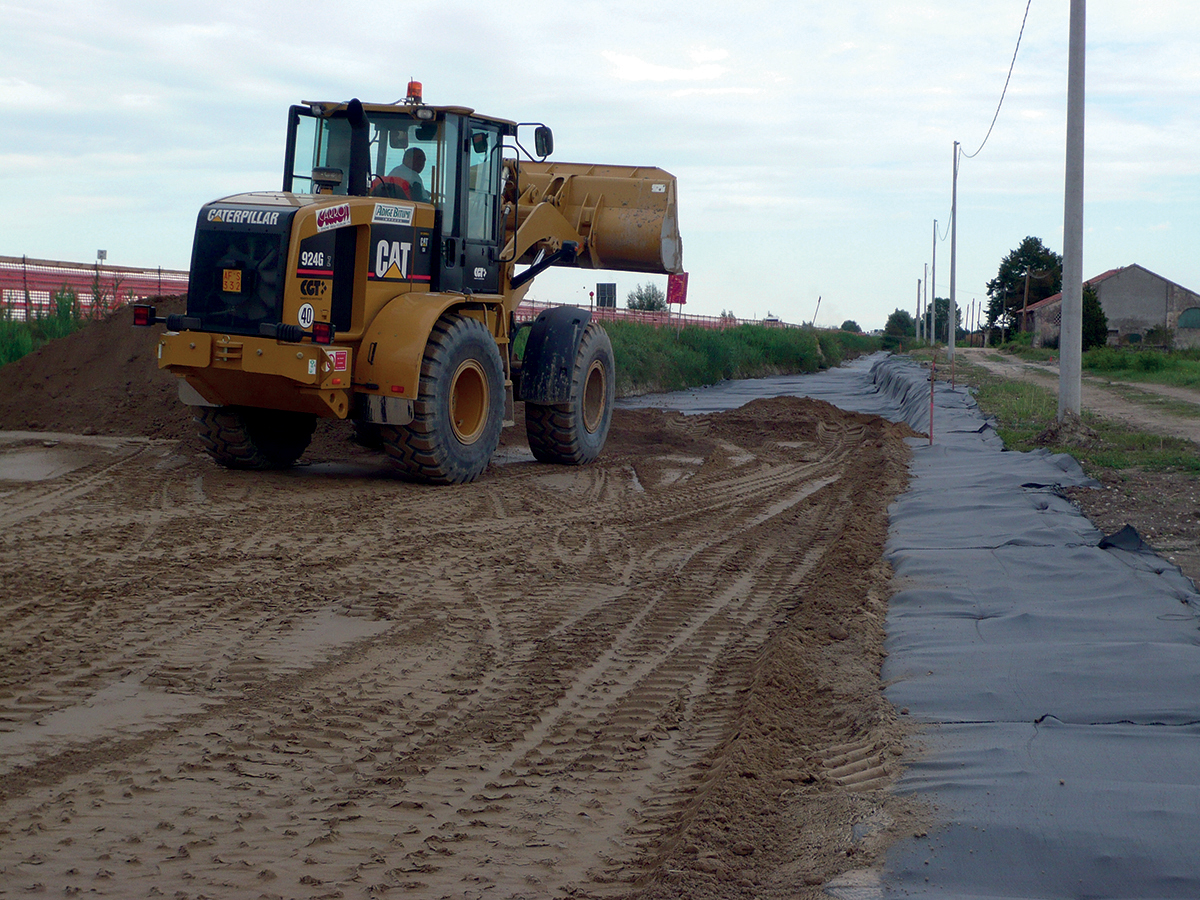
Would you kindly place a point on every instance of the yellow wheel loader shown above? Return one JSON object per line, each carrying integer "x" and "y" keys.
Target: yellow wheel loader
{"x": 380, "y": 286}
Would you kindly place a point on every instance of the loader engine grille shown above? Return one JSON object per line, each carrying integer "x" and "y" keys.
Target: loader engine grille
{"x": 239, "y": 264}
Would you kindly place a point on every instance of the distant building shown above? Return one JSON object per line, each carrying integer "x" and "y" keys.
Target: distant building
{"x": 1134, "y": 300}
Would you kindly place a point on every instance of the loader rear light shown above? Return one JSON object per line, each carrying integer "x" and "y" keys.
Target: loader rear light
{"x": 144, "y": 315}
{"x": 322, "y": 332}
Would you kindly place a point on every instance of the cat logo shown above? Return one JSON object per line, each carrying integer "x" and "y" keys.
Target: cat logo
{"x": 391, "y": 259}
{"x": 480, "y": 273}
{"x": 314, "y": 287}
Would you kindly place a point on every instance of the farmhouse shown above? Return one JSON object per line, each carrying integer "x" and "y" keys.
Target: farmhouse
{"x": 1136, "y": 302}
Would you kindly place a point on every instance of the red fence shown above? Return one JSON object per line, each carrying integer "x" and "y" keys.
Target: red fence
{"x": 27, "y": 286}
{"x": 529, "y": 310}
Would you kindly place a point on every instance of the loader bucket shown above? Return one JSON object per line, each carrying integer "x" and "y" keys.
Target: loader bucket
{"x": 626, "y": 214}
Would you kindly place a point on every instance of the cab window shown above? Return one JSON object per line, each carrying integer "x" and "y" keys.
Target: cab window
{"x": 483, "y": 182}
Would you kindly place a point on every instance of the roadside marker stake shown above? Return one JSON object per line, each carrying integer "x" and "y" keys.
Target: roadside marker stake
{"x": 932, "y": 381}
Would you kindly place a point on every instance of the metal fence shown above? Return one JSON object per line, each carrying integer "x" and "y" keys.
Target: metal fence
{"x": 529, "y": 310}
{"x": 28, "y": 286}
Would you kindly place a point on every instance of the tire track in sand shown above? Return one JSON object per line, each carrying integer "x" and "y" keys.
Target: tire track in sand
{"x": 536, "y": 685}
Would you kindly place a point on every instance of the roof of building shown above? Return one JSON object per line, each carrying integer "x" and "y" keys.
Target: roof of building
{"x": 1097, "y": 280}
{"x": 1091, "y": 282}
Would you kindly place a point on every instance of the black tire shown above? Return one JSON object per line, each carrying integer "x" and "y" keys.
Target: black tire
{"x": 241, "y": 437}
{"x": 366, "y": 434}
{"x": 574, "y": 433}
{"x": 459, "y": 409}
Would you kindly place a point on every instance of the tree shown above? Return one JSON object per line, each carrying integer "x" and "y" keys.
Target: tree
{"x": 1007, "y": 289}
{"x": 1095, "y": 323}
{"x": 941, "y": 305}
{"x": 851, "y": 325}
{"x": 900, "y": 325}
{"x": 648, "y": 297}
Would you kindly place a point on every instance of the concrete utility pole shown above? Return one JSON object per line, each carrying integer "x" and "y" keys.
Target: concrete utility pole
{"x": 1070, "y": 347}
{"x": 953, "y": 319}
{"x": 918, "y": 309}
{"x": 925, "y": 305}
{"x": 933, "y": 290}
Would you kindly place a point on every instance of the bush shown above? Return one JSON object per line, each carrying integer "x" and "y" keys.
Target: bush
{"x": 1159, "y": 336}
{"x": 1107, "y": 359}
{"x": 18, "y": 338}
{"x": 1149, "y": 361}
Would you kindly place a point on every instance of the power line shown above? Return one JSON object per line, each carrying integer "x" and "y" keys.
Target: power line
{"x": 1011, "y": 65}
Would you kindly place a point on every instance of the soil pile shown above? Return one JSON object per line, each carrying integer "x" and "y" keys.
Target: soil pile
{"x": 103, "y": 379}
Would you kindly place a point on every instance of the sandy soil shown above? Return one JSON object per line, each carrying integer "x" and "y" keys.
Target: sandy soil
{"x": 656, "y": 676}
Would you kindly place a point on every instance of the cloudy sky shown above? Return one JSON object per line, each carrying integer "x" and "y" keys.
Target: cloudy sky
{"x": 812, "y": 141}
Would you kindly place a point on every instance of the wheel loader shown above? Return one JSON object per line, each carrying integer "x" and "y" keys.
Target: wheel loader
{"x": 380, "y": 285}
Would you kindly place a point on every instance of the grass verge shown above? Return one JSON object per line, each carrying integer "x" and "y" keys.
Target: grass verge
{"x": 1024, "y": 413}
{"x": 651, "y": 359}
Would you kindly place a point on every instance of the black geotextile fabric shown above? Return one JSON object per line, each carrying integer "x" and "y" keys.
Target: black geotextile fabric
{"x": 1056, "y": 673}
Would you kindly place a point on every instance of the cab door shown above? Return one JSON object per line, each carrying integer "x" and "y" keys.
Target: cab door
{"x": 483, "y": 230}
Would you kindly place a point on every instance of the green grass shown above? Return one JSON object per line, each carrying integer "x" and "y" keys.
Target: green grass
{"x": 651, "y": 359}
{"x": 1180, "y": 367}
{"x": 1023, "y": 411}
{"x": 18, "y": 337}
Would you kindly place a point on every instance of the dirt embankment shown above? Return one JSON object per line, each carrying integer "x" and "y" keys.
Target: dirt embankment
{"x": 655, "y": 676}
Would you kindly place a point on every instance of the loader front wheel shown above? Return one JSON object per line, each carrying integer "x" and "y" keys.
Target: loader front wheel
{"x": 574, "y": 433}
{"x": 241, "y": 437}
{"x": 459, "y": 409}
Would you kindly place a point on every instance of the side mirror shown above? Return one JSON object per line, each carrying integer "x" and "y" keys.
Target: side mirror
{"x": 543, "y": 141}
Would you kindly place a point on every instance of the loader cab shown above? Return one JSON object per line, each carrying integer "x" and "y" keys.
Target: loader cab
{"x": 442, "y": 156}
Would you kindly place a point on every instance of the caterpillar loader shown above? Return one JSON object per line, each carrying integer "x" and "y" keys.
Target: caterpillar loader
{"x": 380, "y": 285}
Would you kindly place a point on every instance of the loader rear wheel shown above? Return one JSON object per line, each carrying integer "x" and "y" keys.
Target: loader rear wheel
{"x": 459, "y": 409}
{"x": 574, "y": 433}
{"x": 241, "y": 437}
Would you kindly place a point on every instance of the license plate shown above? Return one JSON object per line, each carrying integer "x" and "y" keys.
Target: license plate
{"x": 231, "y": 281}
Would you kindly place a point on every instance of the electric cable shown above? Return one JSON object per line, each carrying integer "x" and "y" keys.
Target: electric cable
{"x": 1011, "y": 65}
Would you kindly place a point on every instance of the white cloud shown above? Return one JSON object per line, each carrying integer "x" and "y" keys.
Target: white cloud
{"x": 703, "y": 54}
{"x": 631, "y": 68}
{"x": 16, "y": 93}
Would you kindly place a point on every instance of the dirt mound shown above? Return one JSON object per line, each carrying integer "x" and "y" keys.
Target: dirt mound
{"x": 103, "y": 379}
{"x": 1070, "y": 432}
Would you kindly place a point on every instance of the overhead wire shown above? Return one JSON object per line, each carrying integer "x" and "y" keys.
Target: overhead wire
{"x": 1011, "y": 65}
